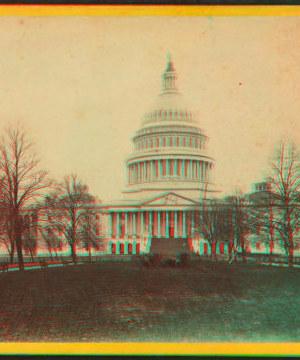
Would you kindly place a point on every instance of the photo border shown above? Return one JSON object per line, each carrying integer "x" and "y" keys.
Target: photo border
{"x": 124, "y": 348}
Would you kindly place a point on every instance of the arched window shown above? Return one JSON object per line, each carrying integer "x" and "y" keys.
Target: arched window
{"x": 137, "y": 248}
{"x": 113, "y": 248}
{"x": 122, "y": 248}
{"x": 222, "y": 248}
{"x": 213, "y": 250}
{"x": 129, "y": 248}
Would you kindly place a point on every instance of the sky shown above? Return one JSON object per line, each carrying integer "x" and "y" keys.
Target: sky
{"x": 79, "y": 87}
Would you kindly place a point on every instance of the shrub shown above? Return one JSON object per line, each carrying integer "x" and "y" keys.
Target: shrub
{"x": 183, "y": 258}
{"x": 149, "y": 259}
{"x": 154, "y": 258}
{"x": 167, "y": 261}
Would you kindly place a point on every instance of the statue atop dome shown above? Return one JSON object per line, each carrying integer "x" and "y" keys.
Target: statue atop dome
{"x": 170, "y": 66}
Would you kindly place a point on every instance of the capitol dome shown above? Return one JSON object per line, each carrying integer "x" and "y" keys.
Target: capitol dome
{"x": 169, "y": 149}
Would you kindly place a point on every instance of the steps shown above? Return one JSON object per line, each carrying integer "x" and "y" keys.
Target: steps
{"x": 170, "y": 247}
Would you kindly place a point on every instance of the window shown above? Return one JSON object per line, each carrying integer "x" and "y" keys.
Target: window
{"x": 171, "y": 141}
{"x": 164, "y": 142}
{"x": 157, "y": 142}
{"x": 191, "y": 142}
{"x": 222, "y": 248}
{"x": 184, "y": 142}
{"x": 205, "y": 249}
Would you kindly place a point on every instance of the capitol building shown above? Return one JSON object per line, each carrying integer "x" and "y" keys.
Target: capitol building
{"x": 168, "y": 174}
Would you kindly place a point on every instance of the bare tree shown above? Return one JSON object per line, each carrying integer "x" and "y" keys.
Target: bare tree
{"x": 50, "y": 237}
{"x": 67, "y": 210}
{"x": 211, "y": 223}
{"x": 6, "y": 237}
{"x": 22, "y": 184}
{"x": 240, "y": 217}
{"x": 262, "y": 218}
{"x": 89, "y": 230}
{"x": 284, "y": 184}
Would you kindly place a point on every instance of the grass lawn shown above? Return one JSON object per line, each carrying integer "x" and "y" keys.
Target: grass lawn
{"x": 118, "y": 301}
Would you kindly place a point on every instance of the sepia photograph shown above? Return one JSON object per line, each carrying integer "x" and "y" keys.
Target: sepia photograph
{"x": 150, "y": 179}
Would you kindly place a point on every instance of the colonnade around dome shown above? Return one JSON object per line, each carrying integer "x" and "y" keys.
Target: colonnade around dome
{"x": 166, "y": 169}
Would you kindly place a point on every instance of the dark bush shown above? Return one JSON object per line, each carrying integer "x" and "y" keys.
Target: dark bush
{"x": 183, "y": 258}
{"x": 167, "y": 261}
{"x": 149, "y": 259}
{"x": 154, "y": 258}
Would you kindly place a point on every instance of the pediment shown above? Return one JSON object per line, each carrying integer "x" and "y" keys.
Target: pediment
{"x": 169, "y": 199}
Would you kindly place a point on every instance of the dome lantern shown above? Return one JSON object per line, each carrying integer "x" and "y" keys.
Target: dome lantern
{"x": 169, "y": 77}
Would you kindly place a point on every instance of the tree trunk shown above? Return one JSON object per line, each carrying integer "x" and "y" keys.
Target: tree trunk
{"x": 31, "y": 255}
{"x": 73, "y": 253}
{"x": 291, "y": 256}
{"x": 55, "y": 254}
{"x": 11, "y": 255}
{"x": 90, "y": 255}
{"x": 19, "y": 251}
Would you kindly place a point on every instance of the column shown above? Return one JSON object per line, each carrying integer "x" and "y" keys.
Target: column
{"x": 168, "y": 168}
{"x": 175, "y": 174}
{"x": 109, "y": 224}
{"x": 138, "y": 172}
{"x": 143, "y": 171}
{"x": 198, "y": 170}
{"x": 167, "y": 224}
{"x": 118, "y": 224}
{"x": 150, "y": 223}
{"x": 180, "y": 223}
{"x": 133, "y": 224}
{"x": 190, "y": 175}
{"x": 142, "y": 223}
{"x": 118, "y": 247}
{"x": 126, "y": 225}
{"x": 133, "y": 173}
{"x": 225, "y": 249}
{"x": 201, "y": 250}
{"x": 175, "y": 224}
{"x": 159, "y": 175}
{"x": 203, "y": 170}
{"x": 182, "y": 169}
{"x": 183, "y": 225}
{"x": 126, "y": 248}
{"x": 158, "y": 224}
{"x": 192, "y": 224}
